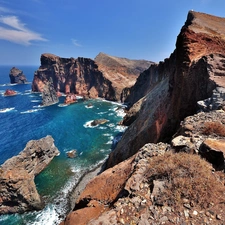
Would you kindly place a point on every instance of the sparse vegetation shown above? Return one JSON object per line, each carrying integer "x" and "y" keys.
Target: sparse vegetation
{"x": 214, "y": 127}
{"x": 188, "y": 177}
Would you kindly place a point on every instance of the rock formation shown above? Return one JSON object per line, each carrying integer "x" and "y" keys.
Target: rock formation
{"x": 18, "y": 191}
{"x": 158, "y": 183}
{"x": 79, "y": 76}
{"x": 70, "y": 98}
{"x": 49, "y": 94}
{"x": 169, "y": 91}
{"x": 17, "y": 76}
{"x": 122, "y": 72}
{"x": 10, "y": 92}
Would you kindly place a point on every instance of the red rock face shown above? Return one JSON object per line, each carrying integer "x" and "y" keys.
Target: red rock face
{"x": 168, "y": 92}
{"x": 79, "y": 76}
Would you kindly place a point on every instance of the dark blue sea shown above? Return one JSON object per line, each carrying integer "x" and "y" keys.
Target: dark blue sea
{"x": 22, "y": 119}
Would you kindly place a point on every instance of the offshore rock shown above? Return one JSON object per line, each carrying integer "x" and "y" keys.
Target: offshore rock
{"x": 10, "y": 92}
{"x": 122, "y": 72}
{"x": 79, "y": 76}
{"x": 17, "y": 76}
{"x": 18, "y": 191}
{"x": 70, "y": 98}
{"x": 169, "y": 91}
{"x": 49, "y": 94}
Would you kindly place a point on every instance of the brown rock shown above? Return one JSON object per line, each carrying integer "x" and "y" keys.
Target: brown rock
{"x": 72, "y": 153}
{"x": 17, "y": 76}
{"x": 9, "y": 92}
{"x": 214, "y": 151}
{"x": 170, "y": 90}
{"x": 18, "y": 191}
{"x": 70, "y": 99}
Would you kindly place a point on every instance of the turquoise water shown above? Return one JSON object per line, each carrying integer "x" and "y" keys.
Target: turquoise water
{"x": 22, "y": 119}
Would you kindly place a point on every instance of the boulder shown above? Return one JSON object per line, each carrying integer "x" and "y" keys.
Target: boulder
{"x": 9, "y": 92}
{"x": 17, "y": 76}
{"x": 98, "y": 121}
{"x": 18, "y": 191}
{"x": 213, "y": 150}
{"x": 72, "y": 153}
{"x": 70, "y": 98}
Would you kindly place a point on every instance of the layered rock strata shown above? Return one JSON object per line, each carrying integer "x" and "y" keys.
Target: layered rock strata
{"x": 166, "y": 93}
{"x": 17, "y": 76}
{"x": 18, "y": 191}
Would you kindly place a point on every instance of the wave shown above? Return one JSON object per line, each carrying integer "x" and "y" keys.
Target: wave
{"x": 63, "y": 105}
{"x": 35, "y": 100}
{"x": 8, "y": 84}
{"x": 88, "y": 124}
{"x": 6, "y": 110}
{"x": 30, "y": 111}
{"x": 89, "y": 106}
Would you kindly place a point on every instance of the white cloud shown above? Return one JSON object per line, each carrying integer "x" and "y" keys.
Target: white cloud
{"x": 75, "y": 42}
{"x": 17, "y": 32}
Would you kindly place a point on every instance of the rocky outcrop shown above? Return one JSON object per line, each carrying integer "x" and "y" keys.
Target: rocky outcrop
{"x": 18, "y": 191}
{"x": 49, "y": 94}
{"x": 17, "y": 76}
{"x": 122, "y": 72}
{"x": 10, "y": 92}
{"x": 70, "y": 98}
{"x": 169, "y": 91}
{"x": 79, "y": 76}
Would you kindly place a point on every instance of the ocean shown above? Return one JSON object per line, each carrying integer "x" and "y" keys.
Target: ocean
{"x": 22, "y": 118}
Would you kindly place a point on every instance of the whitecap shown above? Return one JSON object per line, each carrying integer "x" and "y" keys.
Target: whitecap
{"x": 30, "y": 111}
{"x": 120, "y": 128}
{"x": 89, "y": 106}
{"x": 111, "y": 125}
{"x": 63, "y": 105}
{"x": 101, "y": 113}
{"x": 4, "y": 110}
{"x": 102, "y": 128}
{"x": 106, "y": 134}
{"x": 88, "y": 124}
{"x": 35, "y": 100}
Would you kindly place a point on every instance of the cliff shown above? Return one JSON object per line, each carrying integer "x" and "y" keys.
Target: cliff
{"x": 106, "y": 79}
{"x": 80, "y": 76}
{"x": 169, "y": 91}
{"x": 150, "y": 182}
{"x": 18, "y": 191}
{"x": 17, "y": 76}
{"x": 122, "y": 72}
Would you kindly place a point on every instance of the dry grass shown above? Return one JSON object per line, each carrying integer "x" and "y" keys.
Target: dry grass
{"x": 186, "y": 176}
{"x": 214, "y": 127}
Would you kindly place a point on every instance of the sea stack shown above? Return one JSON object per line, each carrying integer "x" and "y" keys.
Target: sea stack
{"x": 17, "y": 76}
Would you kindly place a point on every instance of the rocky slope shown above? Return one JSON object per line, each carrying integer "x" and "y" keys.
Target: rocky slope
{"x": 168, "y": 92}
{"x": 17, "y": 76}
{"x": 148, "y": 183}
{"x": 122, "y": 72}
{"x": 18, "y": 191}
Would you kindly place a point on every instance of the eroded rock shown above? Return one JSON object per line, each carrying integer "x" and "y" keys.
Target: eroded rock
{"x": 18, "y": 191}
{"x": 17, "y": 76}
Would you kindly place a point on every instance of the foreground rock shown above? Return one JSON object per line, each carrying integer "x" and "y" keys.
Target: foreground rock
{"x": 70, "y": 99}
{"x": 49, "y": 94}
{"x": 10, "y": 92}
{"x": 16, "y": 76}
{"x": 18, "y": 191}
{"x": 168, "y": 92}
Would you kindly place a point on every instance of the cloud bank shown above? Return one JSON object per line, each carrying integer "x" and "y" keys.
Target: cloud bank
{"x": 15, "y": 31}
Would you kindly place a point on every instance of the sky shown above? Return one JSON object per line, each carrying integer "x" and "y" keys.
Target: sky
{"x": 134, "y": 29}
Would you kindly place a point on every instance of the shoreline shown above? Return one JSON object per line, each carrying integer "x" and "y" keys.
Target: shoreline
{"x": 74, "y": 194}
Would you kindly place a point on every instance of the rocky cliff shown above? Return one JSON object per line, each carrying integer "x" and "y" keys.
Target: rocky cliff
{"x": 159, "y": 183}
{"x": 80, "y": 76}
{"x": 17, "y": 76}
{"x": 168, "y": 92}
{"x": 18, "y": 191}
{"x": 122, "y": 72}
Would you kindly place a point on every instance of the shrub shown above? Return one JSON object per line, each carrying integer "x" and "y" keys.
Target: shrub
{"x": 214, "y": 127}
{"x": 186, "y": 176}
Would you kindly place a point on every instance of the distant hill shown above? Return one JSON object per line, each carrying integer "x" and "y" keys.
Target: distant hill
{"x": 122, "y": 72}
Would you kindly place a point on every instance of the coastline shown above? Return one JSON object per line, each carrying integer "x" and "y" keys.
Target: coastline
{"x": 81, "y": 184}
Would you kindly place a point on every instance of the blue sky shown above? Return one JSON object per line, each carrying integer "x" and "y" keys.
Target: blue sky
{"x": 135, "y": 29}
